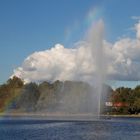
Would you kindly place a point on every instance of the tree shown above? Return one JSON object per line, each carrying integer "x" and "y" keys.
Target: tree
{"x": 137, "y": 105}
{"x": 9, "y": 92}
{"x": 29, "y": 97}
{"x": 15, "y": 82}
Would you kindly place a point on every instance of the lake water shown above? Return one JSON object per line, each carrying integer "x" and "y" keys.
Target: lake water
{"x": 41, "y": 129}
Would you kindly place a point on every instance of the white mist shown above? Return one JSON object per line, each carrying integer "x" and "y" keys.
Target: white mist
{"x": 95, "y": 40}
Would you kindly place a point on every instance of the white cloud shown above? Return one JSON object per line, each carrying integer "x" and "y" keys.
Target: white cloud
{"x": 60, "y": 63}
{"x": 137, "y": 27}
{"x": 136, "y": 17}
{"x": 57, "y": 63}
{"x": 125, "y": 62}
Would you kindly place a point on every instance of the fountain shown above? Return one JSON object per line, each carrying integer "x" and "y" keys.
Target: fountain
{"x": 95, "y": 39}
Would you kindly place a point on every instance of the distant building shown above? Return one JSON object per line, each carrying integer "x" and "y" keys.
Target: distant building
{"x": 116, "y": 104}
{"x": 120, "y": 104}
{"x": 108, "y": 104}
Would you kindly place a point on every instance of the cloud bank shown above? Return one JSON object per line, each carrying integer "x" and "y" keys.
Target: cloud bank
{"x": 78, "y": 63}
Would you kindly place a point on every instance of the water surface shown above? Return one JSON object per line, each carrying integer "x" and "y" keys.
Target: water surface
{"x": 42, "y": 129}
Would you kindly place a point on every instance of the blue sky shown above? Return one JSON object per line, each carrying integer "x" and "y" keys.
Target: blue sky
{"x": 27, "y": 26}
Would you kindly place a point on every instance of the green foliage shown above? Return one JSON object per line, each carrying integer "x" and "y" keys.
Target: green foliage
{"x": 137, "y": 105}
{"x": 49, "y": 95}
{"x": 17, "y": 96}
{"x": 9, "y": 92}
{"x": 29, "y": 97}
{"x": 15, "y": 82}
{"x": 130, "y": 98}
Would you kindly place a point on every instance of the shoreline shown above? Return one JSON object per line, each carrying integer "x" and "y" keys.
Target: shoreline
{"x": 66, "y": 115}
{"x": 125, "y": 116}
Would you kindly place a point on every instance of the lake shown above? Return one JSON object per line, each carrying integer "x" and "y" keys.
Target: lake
{"x": 42, "y": 129}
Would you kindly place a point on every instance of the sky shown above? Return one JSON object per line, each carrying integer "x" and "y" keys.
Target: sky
{"x": 28, "y": 26}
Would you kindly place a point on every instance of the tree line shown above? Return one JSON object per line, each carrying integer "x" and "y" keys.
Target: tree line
{"x": 31, "y": 97}
{"x": 126, "y": 100}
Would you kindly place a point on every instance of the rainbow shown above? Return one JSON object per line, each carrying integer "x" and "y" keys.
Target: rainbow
{"x": 79, "y": 29}
{"x": 92, "y": 16}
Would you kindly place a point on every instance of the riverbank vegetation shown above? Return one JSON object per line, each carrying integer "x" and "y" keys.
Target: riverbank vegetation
{"x": 125, "y": 100}
{"x": 68, "y": 96}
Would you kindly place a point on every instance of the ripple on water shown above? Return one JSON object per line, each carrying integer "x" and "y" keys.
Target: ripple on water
{"x": 70, "y": 130}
